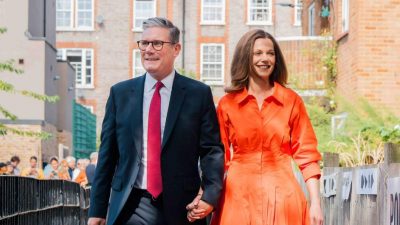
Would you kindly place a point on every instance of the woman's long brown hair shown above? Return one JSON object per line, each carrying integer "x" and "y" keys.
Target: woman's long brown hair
{"x": 242, "y": 62}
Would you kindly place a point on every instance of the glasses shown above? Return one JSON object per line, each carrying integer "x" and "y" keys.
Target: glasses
{"x": 157, "y": 45}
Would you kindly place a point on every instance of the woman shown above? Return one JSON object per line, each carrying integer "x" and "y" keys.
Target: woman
{"x": 266, "y": 124}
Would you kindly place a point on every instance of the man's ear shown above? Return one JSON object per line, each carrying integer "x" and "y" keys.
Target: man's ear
{"x": 177, "y": 49}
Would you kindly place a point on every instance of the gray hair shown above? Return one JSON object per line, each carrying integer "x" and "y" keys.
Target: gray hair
{"x": 94, "y": 155}
{"x": 164, "y": 23}
{"x": 70, "y": 159}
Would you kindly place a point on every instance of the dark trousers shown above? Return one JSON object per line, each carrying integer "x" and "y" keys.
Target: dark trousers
{"x": 142, "y": 209}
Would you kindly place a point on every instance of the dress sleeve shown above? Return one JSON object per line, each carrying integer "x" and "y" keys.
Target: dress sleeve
{"x": 224, "y": 130}
{"x": 304, "y": 142}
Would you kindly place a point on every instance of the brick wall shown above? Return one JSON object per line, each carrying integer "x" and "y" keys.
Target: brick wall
{"x": 369, "y": 62}
{"x": 24, "y": 147}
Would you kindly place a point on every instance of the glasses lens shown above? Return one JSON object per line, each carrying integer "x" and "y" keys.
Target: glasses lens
{"x": 143, "y": 44}
{"x": 157, "y": 45}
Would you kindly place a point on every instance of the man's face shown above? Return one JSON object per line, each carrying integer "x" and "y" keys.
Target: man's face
{"x": 54, "y": 164}
{"x": 159, "y": 63}
{"x": 33, "y": 163}
{"x": 14, "y": 164}
{"x": 71, "y": 164}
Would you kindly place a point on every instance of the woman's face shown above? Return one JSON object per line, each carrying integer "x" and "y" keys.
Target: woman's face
{"x": 263, "y": 58}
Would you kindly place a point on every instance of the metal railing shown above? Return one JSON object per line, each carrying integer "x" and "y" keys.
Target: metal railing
{"x": 28, "y": 201}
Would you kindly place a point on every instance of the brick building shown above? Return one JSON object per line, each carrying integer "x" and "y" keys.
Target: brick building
{"x": 368, "y": 46}
{"x": 99, "y": 39}
{"x": 30, "y": 42}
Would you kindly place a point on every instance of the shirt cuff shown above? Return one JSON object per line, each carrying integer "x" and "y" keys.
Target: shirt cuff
{"x": 312, "y": 170}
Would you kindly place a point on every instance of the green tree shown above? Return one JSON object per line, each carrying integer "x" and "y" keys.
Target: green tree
{"x": 8, "y": 67}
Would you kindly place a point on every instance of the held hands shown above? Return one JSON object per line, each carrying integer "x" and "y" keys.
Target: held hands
{"x": 198, "y": 209}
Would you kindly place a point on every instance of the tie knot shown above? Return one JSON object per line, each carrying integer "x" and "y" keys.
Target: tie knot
{"x": 159, "y": 85}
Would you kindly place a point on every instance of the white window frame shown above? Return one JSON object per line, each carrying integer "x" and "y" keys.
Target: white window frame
{"x": 213, "y": 82}
{"x": 134, "y": 66}
{"x": 83, "y": 69}
{"x": 213, "y": 22}
{"x": 345, "y": 15}
{"x": 311, "y": 20}
{"x": 139, "y": 28}
{"x": 71, "y": 10}
{"x": 74, "y": 19}
{"x": 298, "y": 6}
{"x": 267, "y": 22}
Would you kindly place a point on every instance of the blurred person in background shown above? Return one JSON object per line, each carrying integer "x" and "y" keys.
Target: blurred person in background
{"x": 15, "y": 162}
{"x": 53, "y": 171}
{"x": 10, "y": 168}
{"x": 33, "y": 170}
{"x": 63, "y": 170}
{"x": 91, "y": 168}
{"x": 3, "y": 168}
{"x": 81, "y": 178}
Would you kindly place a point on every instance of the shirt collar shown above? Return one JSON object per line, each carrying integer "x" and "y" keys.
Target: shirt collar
{"x": 150, "y": 82}
{"x": 277, "y": 95}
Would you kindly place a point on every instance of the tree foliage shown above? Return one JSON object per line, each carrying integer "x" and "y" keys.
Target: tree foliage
{"x": 9, "y": 68}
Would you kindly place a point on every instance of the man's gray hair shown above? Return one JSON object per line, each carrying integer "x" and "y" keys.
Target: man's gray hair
{"x": 164, "y": 23}
{"x": 94, "y": 156}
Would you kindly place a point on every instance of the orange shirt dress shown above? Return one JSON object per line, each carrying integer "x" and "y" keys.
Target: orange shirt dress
{"x": 260, "y": 187}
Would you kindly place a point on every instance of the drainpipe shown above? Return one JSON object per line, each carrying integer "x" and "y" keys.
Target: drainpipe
{"x": 183, "y": 33}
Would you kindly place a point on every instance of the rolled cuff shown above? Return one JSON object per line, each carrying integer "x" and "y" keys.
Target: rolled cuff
{"x": 311, "y": 170}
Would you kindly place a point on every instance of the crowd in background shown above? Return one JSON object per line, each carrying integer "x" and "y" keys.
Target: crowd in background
{"x": 80, "y": 171}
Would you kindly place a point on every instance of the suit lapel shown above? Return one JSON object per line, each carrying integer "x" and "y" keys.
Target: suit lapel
{"x": 136, "y": 104}
{"x": 175, "y": 104}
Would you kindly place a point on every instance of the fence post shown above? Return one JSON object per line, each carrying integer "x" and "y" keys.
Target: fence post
{"x": 392, "y": 153}
{"x": 331, "y": 159}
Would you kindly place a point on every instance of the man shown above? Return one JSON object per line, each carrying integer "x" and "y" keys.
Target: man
{"x": 52, "y": 170}
{"x": 72, "y": 170}
{"x": 14, "y": 162}
{"x": 33, "y": 171}
{"x": 155, "y": 130}
{"x": 91, "y": 168}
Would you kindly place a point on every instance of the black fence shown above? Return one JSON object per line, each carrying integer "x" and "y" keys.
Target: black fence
{"x": 28, "y": 201}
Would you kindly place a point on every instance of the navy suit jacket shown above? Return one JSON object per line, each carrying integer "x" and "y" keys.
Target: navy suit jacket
{"x": 191, "y": 133}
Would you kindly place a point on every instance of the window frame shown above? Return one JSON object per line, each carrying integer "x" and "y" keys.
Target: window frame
{"x": 345, "y": 15}
{"x": 83, "y": 85}
{"x": 140, "y": 29}
{"x": 311, "y": 20}
{"x": 298, "y": 7}
{"x": 267, "y": 22}
{"x": 213, "y": 82}
{"x": 134, "y": 66}
{"x": 213, "y": 22}
{"x": 74, "y": 19}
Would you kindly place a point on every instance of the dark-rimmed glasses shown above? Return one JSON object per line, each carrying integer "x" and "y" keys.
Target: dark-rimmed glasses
{"x": 157, "y": 45}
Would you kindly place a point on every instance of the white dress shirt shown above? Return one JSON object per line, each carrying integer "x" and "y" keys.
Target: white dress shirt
{"x": 165, "y": 92}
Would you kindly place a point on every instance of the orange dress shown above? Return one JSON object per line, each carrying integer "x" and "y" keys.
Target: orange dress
{"x": 260, "y": 187}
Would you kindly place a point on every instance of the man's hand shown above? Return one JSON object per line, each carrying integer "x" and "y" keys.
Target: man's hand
{"x": 96, "y": 221}
{"x": 198, "y": 209}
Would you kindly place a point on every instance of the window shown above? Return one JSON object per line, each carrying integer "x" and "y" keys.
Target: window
{"x": 82, "y": 61}
{"x": 74, "y": 14}
{"x": 298, "y": 7}
{"x": 213, "y": 11}
{"x": 212, "y": 63}
{"x": 143, "y": 9}
{"x": 345, "y": 15}
{"x": 259, "y": 12}
{"x": 138, "y": 69}
{"x": 311, "y": 20}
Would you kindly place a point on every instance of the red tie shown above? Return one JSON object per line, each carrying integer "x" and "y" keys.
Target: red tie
{"x": 154, "y": 181}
